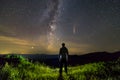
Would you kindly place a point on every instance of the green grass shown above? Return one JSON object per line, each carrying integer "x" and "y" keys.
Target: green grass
{"x": 36, "y": 71}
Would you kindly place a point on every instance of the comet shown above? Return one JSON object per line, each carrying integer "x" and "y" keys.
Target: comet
{"x": 74, "y": 29}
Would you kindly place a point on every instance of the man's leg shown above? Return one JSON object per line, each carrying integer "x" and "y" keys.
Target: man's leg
{"x": 61, "y": 65}
{"x": 65, "y": 65}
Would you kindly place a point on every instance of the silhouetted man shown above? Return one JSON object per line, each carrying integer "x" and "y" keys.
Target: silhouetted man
{"x": 63, "y": 57}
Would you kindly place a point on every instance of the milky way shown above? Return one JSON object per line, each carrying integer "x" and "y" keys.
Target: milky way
{"x": 53, "y": 7}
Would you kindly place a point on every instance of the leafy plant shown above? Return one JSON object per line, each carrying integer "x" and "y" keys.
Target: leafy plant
{"x": 26, "y": 70}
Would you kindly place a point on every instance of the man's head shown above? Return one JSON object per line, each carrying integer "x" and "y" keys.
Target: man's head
{"x": 63, "y": 44}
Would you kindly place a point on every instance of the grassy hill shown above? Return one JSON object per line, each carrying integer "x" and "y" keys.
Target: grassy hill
{"x": 26, "y": 70}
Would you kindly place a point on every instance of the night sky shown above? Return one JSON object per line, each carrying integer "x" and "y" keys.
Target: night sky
{"x": 40, "y": 26}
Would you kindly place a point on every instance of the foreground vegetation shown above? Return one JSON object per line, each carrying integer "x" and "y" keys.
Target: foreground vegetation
{"x": 26, "y": 70}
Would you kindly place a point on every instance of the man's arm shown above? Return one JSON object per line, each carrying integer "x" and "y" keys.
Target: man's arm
{"x": 67, "y": 54}
{"x": 60, "y": 55}
{"x": 60, "y": 51}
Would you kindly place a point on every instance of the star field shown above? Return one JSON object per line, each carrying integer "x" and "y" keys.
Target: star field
{"x": 40, "y": 26}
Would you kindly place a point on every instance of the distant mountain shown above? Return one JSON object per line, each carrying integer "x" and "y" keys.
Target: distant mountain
{"x": 93, "y": 57}
{"x": 52, "y": 60}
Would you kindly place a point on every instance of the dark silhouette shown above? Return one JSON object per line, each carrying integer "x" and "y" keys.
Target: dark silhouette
{"x": 63, "y": 58}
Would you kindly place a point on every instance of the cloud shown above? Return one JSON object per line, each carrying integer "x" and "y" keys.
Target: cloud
{"x": 15, "y": 41}
{"x": 6, "y": 31}
{"x": 17, "y": 45}
{"x": 14, "y": 45}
